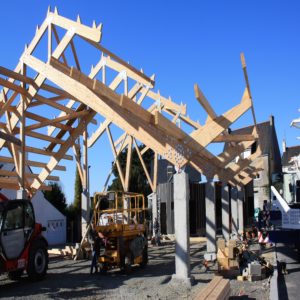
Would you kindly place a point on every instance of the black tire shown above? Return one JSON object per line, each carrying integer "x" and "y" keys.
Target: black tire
{"x": 15, "y": 275}
{"x": 145, "y": 257}
{"x": 38, "y": 261}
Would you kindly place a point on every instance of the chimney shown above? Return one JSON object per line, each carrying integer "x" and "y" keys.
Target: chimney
{"x": 272, "y": 120}
{"x": 283, "y": 146}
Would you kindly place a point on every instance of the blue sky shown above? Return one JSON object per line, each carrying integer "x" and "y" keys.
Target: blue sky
{"x": 184, "y": 42}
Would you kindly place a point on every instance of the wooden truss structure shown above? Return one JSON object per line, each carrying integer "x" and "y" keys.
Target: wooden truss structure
{"x": 119, "y": 93}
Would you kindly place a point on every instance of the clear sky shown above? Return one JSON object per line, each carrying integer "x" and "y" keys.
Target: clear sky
{"x": 184, "y": 42}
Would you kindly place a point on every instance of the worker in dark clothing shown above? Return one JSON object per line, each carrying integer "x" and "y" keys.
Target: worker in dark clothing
{"x": 95, "y": 239}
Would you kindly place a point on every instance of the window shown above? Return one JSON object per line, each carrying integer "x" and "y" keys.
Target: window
{"x": 29, "y": 216}
{"x": 14, "y": 218}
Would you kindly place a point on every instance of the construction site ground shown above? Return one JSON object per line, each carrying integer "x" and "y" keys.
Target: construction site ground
{"x": 69, "y": 279}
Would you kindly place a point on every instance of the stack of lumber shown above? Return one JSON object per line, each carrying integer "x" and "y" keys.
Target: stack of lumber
{"x": 217, "y": 289}
{"x": 227, "y": 258}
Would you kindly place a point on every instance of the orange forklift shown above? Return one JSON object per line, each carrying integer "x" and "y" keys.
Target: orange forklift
{"x": 121, "y": 217}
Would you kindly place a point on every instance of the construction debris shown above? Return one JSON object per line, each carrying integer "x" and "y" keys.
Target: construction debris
{"x": 242, "y": 258}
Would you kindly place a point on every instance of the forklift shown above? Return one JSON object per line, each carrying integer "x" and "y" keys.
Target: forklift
{"x": 121, "y": 218}
{"x": 22, "y": 246}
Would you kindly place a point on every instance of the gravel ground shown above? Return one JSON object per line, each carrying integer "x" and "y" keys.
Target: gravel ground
{"x": 68, "y": 279}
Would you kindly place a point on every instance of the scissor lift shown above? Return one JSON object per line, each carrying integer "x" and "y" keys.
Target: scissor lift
{"x": 121, "y": 217}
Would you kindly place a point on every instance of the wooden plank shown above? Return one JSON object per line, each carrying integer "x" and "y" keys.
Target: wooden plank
{"x": 12, "y": 86}
{"x": 128, "y": 164}
{"x": 118, "y": 64}
{"x": 10, "y": 138}
{"x": 215, "y": 127}
{"x": 234, "y": 138}
{"x": 204, "y": 102}
{"x": 44, "y": 137}
{"x": 45, "y": 152}
{"x": 54, "y": 160}
{"x": 16, "y": 76}
{"x": 56, "y": 121}
{"x": 27, "y": 175}
{"x": 12, "y": 184}
{"x": 44, "y": 122}
{"x": 39, "y": 80}
{"x": 92, "y": 34}
{"x": 120, "y": 171}
{"x": 143, "y": 165}
{"x": 9, "y": 160}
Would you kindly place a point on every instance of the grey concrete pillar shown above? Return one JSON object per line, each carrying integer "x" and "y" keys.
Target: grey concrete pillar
{"x": 154, "y": 210}
{"x": 85, "y": 211}
{"x": 182, "y": 229}
{"x": 225, "y": 212}
{"x": 240, "y": 205}
{"x": 210, "y": 210}
{"x": 234, "y": 210}
{"x": 21, "y": 194}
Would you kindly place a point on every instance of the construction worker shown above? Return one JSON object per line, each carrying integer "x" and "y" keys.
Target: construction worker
{"x": 95, "y": 239}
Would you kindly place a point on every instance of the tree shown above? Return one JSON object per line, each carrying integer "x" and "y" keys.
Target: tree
{"x": 77, "y": 192}
{"x": 56, "y": 197}
{"x": 138, "y": 181}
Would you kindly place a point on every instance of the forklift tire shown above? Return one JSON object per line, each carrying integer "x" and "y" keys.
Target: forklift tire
{"x": 144, "y": 258}
{"x": 15, "y": 275}
{"x": 38, "y": 261}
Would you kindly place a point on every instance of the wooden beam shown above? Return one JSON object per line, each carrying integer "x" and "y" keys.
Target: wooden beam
{"x": 56, "y": 121}
{"x": 44, "y": 122}
{"x": 16, "y": 76}
{"x": 39, "y": 80}
{"x": 9, "y": 160}
{"x": 234, "y": 138}
{"x": 12, "y": 184}
{"x": 10, "y": 138}
{"x": 14, "y": 87}
{"x": 116, "y": 157}
{"x": 90, "y": 33}
{"x": 215, "y": 127}
{"x": 44, "y": 137}
{"x": 56, "y": 157}
{"x": 118, "y": 64}
{"x": 143, "y": 165}
{"x": 27, "y": 175}
{"x": 45, "y": 152}
{"x": 128, "y": 164}
{"x": 106, "y": 102}
{"x": 204, "y": 102}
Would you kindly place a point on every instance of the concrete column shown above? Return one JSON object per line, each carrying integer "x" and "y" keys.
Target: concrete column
{"x": 240, "y": 205}
{"x": 182, "y": 229}
{"x": 234, "y": 210}
{"x": 210, "y": 210}
{"x": 154, "y": 211}
{"x": 225, "y": 212}
{"x": 21, "y": 194}
{"x": 85, "y": 211}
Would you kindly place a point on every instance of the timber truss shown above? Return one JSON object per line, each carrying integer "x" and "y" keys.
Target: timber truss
{"x": 40, "y": 87}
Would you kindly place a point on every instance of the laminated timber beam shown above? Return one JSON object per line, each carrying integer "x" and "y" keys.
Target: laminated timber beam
{"x": 141, "y": 125}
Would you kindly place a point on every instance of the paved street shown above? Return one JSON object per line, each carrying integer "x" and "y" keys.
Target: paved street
{"x": 289, "y": 285}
